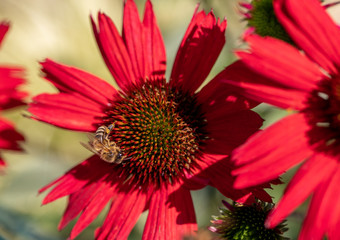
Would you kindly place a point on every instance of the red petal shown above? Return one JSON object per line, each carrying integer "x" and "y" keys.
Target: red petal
{"x": 77, "y": 178}
{"x": 4, "y": 26}
{"x": 100, "y": 198}
{"x": 218, "y": 171}
{"x": 310, "y": 27}
{"x": 77, "y": 202}
{"x": 265, "y": 158}
{"x": 171, "y": 215}
{"x": 313, "y": 172}
{"x": 67, "y": 111}
{"x": 74, "y": 81}
{"x": 114, "y": 51}
{"x": 123, "y": 214}
{"x": 261, "y": 89}
{"x": 155, "y": 56}
{"x": 200, "y": 47}
{"x": 9, "y": 137}
{"x": 324, "y": 210}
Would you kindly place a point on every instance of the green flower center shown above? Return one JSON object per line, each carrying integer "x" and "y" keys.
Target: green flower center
{"x": 264, "y": 20}
{"x": 160, "y": 131}
{"x": 246, "y": 222}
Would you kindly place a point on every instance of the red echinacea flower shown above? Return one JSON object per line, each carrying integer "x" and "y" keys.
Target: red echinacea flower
{"x": 10, "y": 78}
{"x": 308, "y": 84}
{"x": 172, "y": 139}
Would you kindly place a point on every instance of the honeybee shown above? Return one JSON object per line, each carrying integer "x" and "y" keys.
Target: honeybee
{"x": 100, "y": 144}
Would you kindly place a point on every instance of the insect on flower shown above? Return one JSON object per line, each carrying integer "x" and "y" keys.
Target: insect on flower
{"x": 100, "y": 144}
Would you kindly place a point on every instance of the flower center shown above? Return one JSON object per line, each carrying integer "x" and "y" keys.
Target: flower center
{"x": 264, "y": 20}
{"x": 324, "y": 113}
{"x": 159, "y": 129}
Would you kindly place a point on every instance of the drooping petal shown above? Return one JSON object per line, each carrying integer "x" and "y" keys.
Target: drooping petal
{"x": 125, "y": 209}
{"x": 171, "y": 214}
{"x": 75, "y": 81}
{"x": 263, "y": 155}
{"x": 311, "y": 174}
{"x": 4, "y": 26}
{"x": 200, "y": 47}
{"x": 68, "y": 111}
{"x": 261, "y": 89}
{"x": 103, "y": 194}
{"x": 76, "y": 178}
{"x": 310, "y": 27}
{"x": 324, "y": 211}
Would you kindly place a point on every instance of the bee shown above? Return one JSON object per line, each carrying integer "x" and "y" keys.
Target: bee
{"x": 100, "y": 144}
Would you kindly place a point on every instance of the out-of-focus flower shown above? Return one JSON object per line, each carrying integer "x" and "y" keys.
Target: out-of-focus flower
{"x": 10, "y": 78}
{"x": 173, "y": 138}
{"x": 261, "y": 19}
{"x": 240, "y": 221}
{"x": 307, "y": 83}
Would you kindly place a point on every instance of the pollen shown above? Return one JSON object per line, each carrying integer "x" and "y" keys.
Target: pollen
{"x": 160, "y": 129}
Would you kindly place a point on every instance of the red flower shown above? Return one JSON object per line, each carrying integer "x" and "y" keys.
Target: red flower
{"x": 307, "y": 83}
{"x": 174, "y": 139}
{"x": 10, "y": 78}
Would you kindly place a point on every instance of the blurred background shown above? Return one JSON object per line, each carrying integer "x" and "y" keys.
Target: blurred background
{"x": 61, "y": 30}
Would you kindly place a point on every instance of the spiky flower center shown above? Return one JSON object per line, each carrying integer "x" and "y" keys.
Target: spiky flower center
{"x": 323, "y": 114}
{"x": 160, "y": 129}
{"x": 264, "y": 20}
{"x": 246, "y": 222}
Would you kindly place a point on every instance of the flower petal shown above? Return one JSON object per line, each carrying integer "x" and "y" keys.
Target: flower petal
{"x": 200, "y": 47}
{"x": 67, "y": 111}
{"x": 314, "y": 171}
{"x": 310, "y": 27}
{"x": 171, "y": 214}
{"x": 262, "y": 156}
{"x": 102, "y": 195}
{"x": 9, "y": 137}
{"x": 76, "y": 178}
{"x": 74, "y": 81}
{"x": 10, "y": 78}
{"x": 155, "y": 56}
{"x": 139, "y": 53}
{"x": 124, "y": 212}
{"x": 262, "y": 89}
{"x": 4, "y": 26}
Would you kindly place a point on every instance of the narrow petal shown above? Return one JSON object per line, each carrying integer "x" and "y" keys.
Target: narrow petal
{"x": 204, "y": 39}
{"x": 171, "y": 215}
{"x": 124, "y": 212}
{"x": 262, "y": 156}
{"x": 67, "y": 111}
{"x": 155, "y": 55}
{"x": 262, "y": 89}
{"x": 114, "y": 51}
{"x": 104, "y": 192}
{"x": 310, "y": 26}
{"x": 72, "y": 80}
{"x": 76, "y": 178}
{"x": 324, "y": 210}
{"x": 4, "y": 26}
{"x": 313, "y": 172}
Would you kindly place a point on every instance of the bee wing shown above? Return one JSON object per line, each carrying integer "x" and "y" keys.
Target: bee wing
{"x": 89, "y": 147}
